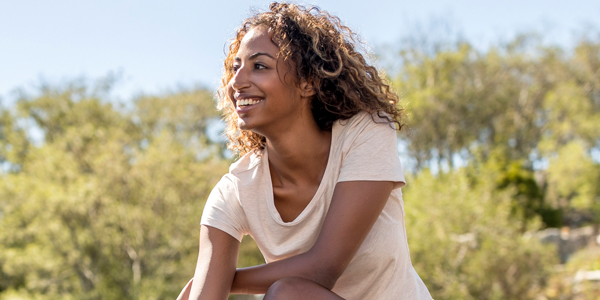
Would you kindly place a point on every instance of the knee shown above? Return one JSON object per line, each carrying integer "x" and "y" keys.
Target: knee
{"x": 285, "y": 288}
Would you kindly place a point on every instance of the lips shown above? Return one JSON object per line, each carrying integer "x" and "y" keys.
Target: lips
{"x": 247, "y": 102}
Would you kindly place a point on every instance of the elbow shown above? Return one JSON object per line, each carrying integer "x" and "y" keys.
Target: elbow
{"x": 326, "y": 272}
{"x": 327, "y": 277}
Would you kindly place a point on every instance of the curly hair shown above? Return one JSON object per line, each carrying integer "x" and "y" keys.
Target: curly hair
{"x": 324, "y": 54}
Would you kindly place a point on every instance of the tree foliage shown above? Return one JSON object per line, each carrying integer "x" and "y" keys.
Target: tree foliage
{"x": 464, "y": 242}
{"x": 535, "y": 108}
{"x": 512, "y": 132}
{"x": 524, "y": 99}
{"x": 107, "y": 205}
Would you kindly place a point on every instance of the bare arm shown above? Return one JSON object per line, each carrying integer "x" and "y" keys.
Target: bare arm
{"x": 215, "y": 269}
{"x": 354, "y": 209}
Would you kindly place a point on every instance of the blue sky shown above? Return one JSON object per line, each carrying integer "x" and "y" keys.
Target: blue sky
{"x": 160, "y": 45}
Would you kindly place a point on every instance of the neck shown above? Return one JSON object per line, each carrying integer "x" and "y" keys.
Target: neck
{"x": 299, "y": 155}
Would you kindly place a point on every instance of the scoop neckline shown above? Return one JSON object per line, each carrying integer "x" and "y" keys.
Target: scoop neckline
{"x": 313, "y": 201}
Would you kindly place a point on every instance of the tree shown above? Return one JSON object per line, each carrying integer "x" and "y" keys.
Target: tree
{"x": 523, "y": 103}
{"x": 464, "y": 242}
{"x": 108, "y": 204}
{"x": 523, "y": 99}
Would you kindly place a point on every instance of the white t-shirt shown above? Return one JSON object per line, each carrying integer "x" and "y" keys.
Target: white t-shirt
{"x": 361, "y": 149}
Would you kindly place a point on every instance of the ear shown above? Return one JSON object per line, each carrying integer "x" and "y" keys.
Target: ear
{"x": 306, "y": 89}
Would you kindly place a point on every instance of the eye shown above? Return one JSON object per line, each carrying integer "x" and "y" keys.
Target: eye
{"x": 235, "y": 67}
{"x": 259, "y": 66}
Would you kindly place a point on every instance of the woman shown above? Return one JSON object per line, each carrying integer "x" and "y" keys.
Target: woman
{"x": 318, "y": 182}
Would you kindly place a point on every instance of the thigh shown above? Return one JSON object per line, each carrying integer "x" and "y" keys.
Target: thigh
{"x": 294, "y": 288}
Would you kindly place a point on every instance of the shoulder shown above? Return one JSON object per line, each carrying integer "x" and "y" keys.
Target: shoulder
{"x": 246, "y": 171}
{"x": 246, "y": 163}
{"x": 364, "y": 120}
{"x": 368, "y": 148}
{"x": 364, "y": 125}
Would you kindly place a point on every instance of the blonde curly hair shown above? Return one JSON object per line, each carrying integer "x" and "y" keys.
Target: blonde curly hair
{"x": 323, "y": 52}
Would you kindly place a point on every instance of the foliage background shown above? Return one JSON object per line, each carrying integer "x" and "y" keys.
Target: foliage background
{"x": 102, "y": 200}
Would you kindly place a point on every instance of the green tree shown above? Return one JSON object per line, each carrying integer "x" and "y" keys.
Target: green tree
{"x": 13, "y": 142}
{"x": 108, "y": 204}
{"x": 523, "y": 99}
{"x": 523, "y": 103}
{"x": 464, "y": 242}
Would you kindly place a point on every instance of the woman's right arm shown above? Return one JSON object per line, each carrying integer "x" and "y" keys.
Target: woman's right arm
{"x": 215, "y": 269}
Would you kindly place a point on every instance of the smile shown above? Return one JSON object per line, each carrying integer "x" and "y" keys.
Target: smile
{"x": 247, "y": 102}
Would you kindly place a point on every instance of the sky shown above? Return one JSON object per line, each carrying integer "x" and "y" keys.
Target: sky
{"x": 157, "y": 46}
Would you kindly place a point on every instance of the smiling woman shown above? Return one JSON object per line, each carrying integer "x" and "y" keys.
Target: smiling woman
{"x": 318, "y": 181}
{"x": 261, "y": 92}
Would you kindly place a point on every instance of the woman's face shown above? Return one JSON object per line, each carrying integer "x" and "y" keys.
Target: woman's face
{"x": 263, "y": 88}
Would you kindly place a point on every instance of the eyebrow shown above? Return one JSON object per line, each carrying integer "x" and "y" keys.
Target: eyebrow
{"x": 255, "y": 55}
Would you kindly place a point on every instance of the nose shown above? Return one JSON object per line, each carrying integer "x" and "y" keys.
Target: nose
{"x": 240, "y": 79}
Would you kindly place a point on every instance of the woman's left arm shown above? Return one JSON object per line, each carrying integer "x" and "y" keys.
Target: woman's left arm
{"x": 354, "y": 208}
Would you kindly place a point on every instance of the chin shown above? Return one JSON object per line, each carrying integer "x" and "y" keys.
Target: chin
{"x": 249, "y": 127}
{"x": 242, "y": 126}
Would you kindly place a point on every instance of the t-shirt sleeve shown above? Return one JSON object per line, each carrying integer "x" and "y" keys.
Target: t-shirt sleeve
{"x": 224, "y": 211}
{"x": 371, "y": 152}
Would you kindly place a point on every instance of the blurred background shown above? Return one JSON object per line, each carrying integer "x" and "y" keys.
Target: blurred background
{"x": 110, "y": 142}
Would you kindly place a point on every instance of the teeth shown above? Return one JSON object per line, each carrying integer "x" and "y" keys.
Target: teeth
{"x": 245, "y": 102}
